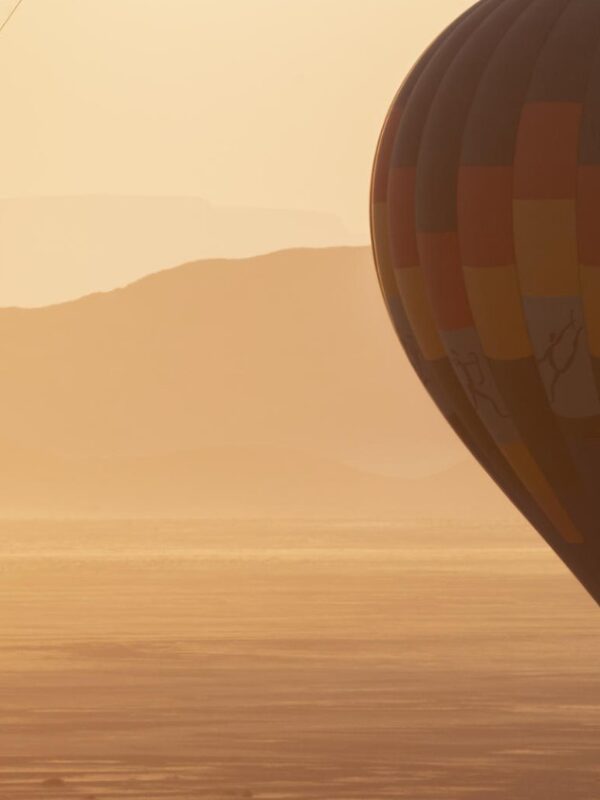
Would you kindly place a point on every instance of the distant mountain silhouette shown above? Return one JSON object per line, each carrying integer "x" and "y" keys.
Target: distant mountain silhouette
{"x": 266, "y": 385}
{"x": 99, "y": 242}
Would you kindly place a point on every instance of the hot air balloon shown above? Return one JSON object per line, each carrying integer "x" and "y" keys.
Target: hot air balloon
{"x": 485, "y": 219}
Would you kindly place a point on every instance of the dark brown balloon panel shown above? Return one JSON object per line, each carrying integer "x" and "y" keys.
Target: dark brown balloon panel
{"x": 485, "y": 217}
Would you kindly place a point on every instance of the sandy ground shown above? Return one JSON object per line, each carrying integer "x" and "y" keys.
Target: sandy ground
{"x": 195, "y": 660}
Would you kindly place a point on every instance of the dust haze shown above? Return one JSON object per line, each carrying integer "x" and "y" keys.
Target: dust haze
{"x": 241, "y": 553}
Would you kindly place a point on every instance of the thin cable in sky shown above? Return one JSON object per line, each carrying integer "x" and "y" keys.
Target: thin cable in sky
{"x": 11, "y": 15}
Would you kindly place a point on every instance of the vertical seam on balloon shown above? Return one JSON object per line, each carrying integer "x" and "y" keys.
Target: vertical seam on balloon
{"x": 540, "y": 51}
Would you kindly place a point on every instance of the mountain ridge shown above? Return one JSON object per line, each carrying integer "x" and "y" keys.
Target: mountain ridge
{"x": 96, "y": 242}
{"x": 288, "y": 353}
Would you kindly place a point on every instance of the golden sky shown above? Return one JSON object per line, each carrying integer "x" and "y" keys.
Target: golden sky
{"x": 269, "y": 103}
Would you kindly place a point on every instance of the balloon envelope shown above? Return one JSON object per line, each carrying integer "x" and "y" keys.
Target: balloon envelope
{"x": 485, "y": 219}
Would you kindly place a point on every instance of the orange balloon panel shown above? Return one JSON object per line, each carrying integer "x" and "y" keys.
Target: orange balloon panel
{"x": 485, "y": 218}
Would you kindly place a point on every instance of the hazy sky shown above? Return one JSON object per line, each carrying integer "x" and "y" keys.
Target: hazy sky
{"x": 271, "y": 103}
